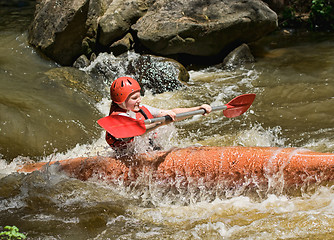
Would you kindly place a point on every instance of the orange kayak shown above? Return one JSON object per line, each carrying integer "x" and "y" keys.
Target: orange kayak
{"x": 207, "y": 166}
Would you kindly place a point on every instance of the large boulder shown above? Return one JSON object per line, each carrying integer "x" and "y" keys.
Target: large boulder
{"x": 59, "y": 28}
{"x": 65, "y": 29}
{"x": 203, "y": 28}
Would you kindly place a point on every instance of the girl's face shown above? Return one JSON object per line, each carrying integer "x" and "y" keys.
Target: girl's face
{"x": 133, "y": 101}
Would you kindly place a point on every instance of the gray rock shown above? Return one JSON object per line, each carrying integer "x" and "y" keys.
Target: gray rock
{"x": 64, "y": 30}
{"x": 203, "y": 28}
{"x": 119, "y": 17}
{"x": 81, "y": 62}
{"x": 58, "y": 29}
{"x": 158, "y": 74}
{"x": 154, "y": 73}
{"x": 239, "y": 56}
{"x": 123, "y": 45}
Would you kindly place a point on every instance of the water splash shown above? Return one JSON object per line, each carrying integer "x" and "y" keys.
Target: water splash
{"x": 261, "y": 137}
{"x": 243, "y": 218}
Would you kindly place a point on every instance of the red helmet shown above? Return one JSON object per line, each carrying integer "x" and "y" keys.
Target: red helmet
{"x": 122, "y": 87}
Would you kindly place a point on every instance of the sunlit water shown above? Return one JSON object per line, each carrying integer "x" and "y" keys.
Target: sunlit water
{"x": 293, "y": 78}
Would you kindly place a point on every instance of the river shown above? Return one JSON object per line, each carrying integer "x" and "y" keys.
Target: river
{"x": 42, "y": 120}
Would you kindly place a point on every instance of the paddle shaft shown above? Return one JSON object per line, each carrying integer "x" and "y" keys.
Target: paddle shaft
{"x": 123, "y": 127}
{"x": 185, "y": 114}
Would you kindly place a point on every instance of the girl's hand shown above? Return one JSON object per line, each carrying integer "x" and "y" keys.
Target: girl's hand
{"x": 207, "y": 108}
{"x": 170, "y": 113}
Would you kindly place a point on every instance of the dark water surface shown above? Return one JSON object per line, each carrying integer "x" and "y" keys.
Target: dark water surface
{"x": 41, "y": 118}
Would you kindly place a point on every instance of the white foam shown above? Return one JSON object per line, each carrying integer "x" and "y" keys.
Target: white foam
{"x": 261, "y": 137}
{"x": 7, "y": 168}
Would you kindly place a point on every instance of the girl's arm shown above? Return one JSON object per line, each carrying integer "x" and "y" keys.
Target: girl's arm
{"x": 172, "y": 113}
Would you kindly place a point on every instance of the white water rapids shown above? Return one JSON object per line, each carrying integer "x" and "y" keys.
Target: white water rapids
{"x": 293, "y": 77}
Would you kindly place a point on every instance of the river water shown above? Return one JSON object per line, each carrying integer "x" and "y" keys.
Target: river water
{"x": 41, "y": 119}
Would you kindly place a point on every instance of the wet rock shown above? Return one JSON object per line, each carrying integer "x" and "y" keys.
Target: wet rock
{"x": 121, "y": 46}
{"x": 203, "y": 28}
{"x": 119, "y": 17}
{"x": 81, "y": 62}
{"x": 158, "y": 74}
{"x": 64, "y": 30}
{"x": 92, "y": 57}
{"x": 238, "y": 56}
{"x": 58, "y": 29}
{"x": 154, "y": 73}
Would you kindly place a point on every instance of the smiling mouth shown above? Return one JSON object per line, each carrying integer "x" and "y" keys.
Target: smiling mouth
{"x": 136, "y": 107}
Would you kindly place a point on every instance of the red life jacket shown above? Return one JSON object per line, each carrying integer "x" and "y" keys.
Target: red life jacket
{"x": 117, "y": 143}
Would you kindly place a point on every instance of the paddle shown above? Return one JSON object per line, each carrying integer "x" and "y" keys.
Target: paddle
{"x": 123, "y": 127}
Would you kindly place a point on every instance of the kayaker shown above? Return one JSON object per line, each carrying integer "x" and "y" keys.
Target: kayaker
{"x": 126, "y": 101}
